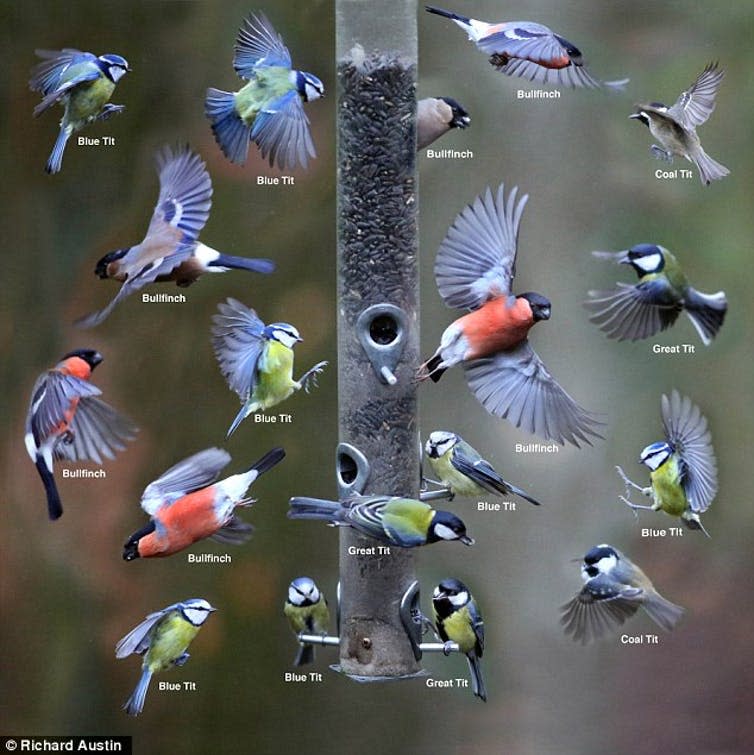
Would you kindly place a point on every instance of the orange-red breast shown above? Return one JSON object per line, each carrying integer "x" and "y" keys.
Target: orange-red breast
{"x": 66, "y": 420}
{"x": 171, "y": 250}
{"x": 529, "y": 50}
{"x": 474, "y": 270}
{"x": 186, "y": 505}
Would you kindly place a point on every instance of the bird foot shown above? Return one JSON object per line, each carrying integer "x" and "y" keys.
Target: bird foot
{"x": 661, "y": 154}
{"x": 110, "y": 110}
{"x": 447, "y": 648}
{"x": 181, "y": 659}
{"x": 309, "y": 378}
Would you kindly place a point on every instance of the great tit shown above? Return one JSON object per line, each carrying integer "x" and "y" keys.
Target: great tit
{"x": 474, "y": 270}
{"x": 162, "y": 638}
{"x": 529, "y": 50}
{"x": 435, "y": 116}
{"x": 458, "y": 620}
{"x": 257, "y": 359}
{"x": 67, "y": 421}
{"x": 675, "y": 127}
{"x": 462, "y": 469}
{"x": 171, "y": 250}
{"x": 614, "y": 590}
{"x": 269, "y": 108}
{"x": 186, "y": 504}
{"x": 629, "y": 313}
{"x": 307, "y": 613}
{"x": 404, "y": 522}
{"x": 83, "y": 83}
{"x": 683, "y": 468}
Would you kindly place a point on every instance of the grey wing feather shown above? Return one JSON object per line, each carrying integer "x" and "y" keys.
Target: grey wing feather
{"x": 479, "y": 470}
{"x": 696, "y": 104}
{"x": 234, "y": 532}
{"x": 52, "y": 394}
{"x": 281, "y": 130}
{"x": 366, "y": 516}
{"x": 477, "y": 258}
{"x": 478, "y": 626}
{"x": 238, "y": 342}
{"x": 46, "y": 75}
{"x": 516, "y": 385}
{"x": 97, "y": 430}
{"x": 137, "y": 640}
{"x": 571, "y": 76}
{"x": 631, "y": 312}
{"x": 686, "y": 430}
{"x": 196, "y": 472}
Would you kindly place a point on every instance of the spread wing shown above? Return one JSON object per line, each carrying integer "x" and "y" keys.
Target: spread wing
{"x": 477, "y": 258}
{"x": 137, "y": 640}
{"x": 96, "y": 430}
{"x": 195, "y": 472}
{"x": 686, "y": 430}
{"x": 695, "y": 105}
{"x": 258, "y": 44}
{"x": 598, "y": 609}
{"x": 45, "y": 76}
{"x": 281, "y": 131}
{"x": 631, "y": 312}
{"x": 51, "y": 400}
{"x": 516, "y": 385}
{"x": 238, "y": 341}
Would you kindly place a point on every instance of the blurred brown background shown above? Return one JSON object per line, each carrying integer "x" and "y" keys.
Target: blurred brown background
{"x": 67, "y": 597}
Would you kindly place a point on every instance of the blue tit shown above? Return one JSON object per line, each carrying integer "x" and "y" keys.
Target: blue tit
{"x": 629, "y": 313}
{"x": 83, "y": 83}
{"x": 307, "y": 613}
{"x": 162, "y": 638}
{"x": 171, "y": 250}
{"x": 675, "y": 127}
{"x": 683, "y": 468}
{"x": 529, "y": 50}
{"x": 457, "y": 619}
{"x": 435, "y": 116}
{"x": 474, "y": 270}
{"x": 257, "y": 359}
{"x": 269, "y": 108}
{"x": 462, "y": 469}
{"x": 614, "y": 590}
{"x": 404, "y": 522}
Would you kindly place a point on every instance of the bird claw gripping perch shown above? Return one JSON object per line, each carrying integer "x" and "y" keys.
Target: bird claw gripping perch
{"x": 661, "y": 154}
{"x": 309, "y": 379}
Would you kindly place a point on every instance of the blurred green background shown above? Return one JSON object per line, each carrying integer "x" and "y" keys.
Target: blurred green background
{"x": 67, "y": 597}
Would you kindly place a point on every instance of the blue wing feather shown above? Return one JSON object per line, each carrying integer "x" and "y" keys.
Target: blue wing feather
{"x": 258, "y": 44}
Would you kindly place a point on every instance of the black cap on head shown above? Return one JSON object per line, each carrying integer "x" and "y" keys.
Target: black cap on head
{"x": 90, "y": 356}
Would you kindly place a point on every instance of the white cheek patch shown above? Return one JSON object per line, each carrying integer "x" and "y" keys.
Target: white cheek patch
{"x": 607, "y": 564}
{"x": 196, "y": 616}
{"x": 294, "y": 596}
{"x": 445, "y": 533}
{"x": 649, "y": 263}
{"x": 116, "y": 73}
{"x": 459, "y": 600}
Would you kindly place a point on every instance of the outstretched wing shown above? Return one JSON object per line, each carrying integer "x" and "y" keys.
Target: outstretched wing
{"x": 258, "y": 44}
{"x": 695, "y": 105}
{"x": 137, "y": 640}
{"x": 238, "y": 341}
{"x": 195, "y": 472}
{"x": 516, "y": 385}
{"x": 686, "y": 430}
{"x": 477, "y": 258}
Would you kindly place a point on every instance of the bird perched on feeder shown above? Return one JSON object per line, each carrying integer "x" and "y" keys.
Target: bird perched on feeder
{"x": 162, "y": 638}
{"x": 474, "y": 270}
{"x": 529, "y": 50}
{"x": 654, "y": 303}
{"x": 435, "y": 116}
{"x": 186, "y": 504}
{"x": 269, "y": 108}
{"x": 83, "y": 83}
{"x": 614, "y": 590}
{"x": 463, "y": 471}
{"x": 67, "y": 421}
{"x": 257, "y": 359}
{"x": 458, "y": 620}
{"x": 404, "y": 522}
{"x": 683, "y": 468}
{"x": 675, "y": 127}
{"x": 307, "y": 613}
{"x": 171, "y": 250}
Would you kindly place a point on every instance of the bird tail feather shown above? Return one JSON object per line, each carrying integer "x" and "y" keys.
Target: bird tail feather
{"x": 135, "y": 704}
{"x": 706, "y": 312}
{"x": 231, "y": 133}
{"x": 268, "y": 461}
{"x": 447, "y": 14}
{"x": 664, "y": 613}
{"x": 263, "y": 266}
{"x": 54, "y": 505}
{"x": 239, "y": 418}
{"x": 55, "y": 163}
{"x": 305, "y": 655}
{"x": 523, "y": 494}
{"x": 709, "y": 169}
{"x": 477, "y": 680}
{"x": 314, "y": 508}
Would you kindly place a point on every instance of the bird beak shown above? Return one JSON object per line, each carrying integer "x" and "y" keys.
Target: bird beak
{"x": 634, "y": 115}
{"x": 466, "y": 540}
{"x": 624, "y": 260}
{"x": 212, "y": 609}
